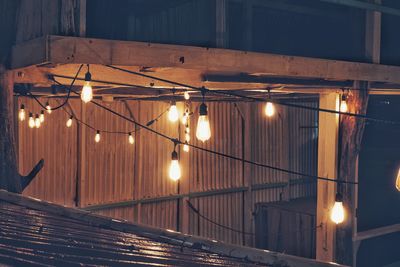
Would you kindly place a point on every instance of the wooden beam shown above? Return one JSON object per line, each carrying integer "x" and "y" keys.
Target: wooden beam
{"x": 69, "y": 50}
{"x": 327, "y": 167}
{"x": 376, "y": 232}
{"x": 365, "y": 5}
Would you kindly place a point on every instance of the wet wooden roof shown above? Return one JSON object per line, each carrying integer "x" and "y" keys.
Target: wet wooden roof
{"x": 37, "y": 233}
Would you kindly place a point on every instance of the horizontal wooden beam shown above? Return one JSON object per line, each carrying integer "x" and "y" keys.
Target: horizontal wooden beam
{"x": 385, "y": 230}
{"x": 365, "y": 5}
{"x": 55, "y": 50}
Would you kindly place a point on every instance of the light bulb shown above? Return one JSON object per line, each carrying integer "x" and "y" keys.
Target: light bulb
{"x": 187, "y": 137}
{"x": 337, "y": 213}
{"x": 37, "y": 121}
{"x": 31, "y": 122}
{"x": 87, "y": 92}
{"x": 173, "y": 114}
{"x": 398, "y": 181}
{"x": 184, "y": 118}
{"x": 131, "y": 139}
{"x": 97, "y": 137}
{"x": 69, "y": 122}
{"x": 48, "y": 108}
{"x": 41, "y": 117}
{"x": 185, "y": 148}
{"x": 174, "y": 168}
{"x": 21, "y": 114}
{"x": 203, "y": 131}
{"x": 269, "y": 109}
{"x": 343, "y": 104}
{"x": 186, "y": 95}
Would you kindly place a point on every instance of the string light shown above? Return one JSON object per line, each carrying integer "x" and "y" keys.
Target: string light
{"x": 343, "y": 103}
{"x": 97, "y": 136}
{"x": 69, "y": 121}
{"x": 186, "y": 147}
{"x": 174, "y": 167}
{"x": 337, "y": 213}
{"x": 185, "y": 117}
{"x": 131, "y": 140}
{"x": 173, "y": 114}
{"x": 21, "y": 114}
{"x": 203, "y": 131}
{"x": 48, "y": 108}
{"x": 87, "y": 90}
{"x": 37, "y": 121}
{"x": 398, "y": 181}
{"x": 269, "y": 106}
{"x": 31, "y": 121}
{"x": 186, "y": 95}
{"x": 41, "y": 117}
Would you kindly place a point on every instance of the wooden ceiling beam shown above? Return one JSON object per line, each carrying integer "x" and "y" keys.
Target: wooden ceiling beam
{"x": 74, "y": 50}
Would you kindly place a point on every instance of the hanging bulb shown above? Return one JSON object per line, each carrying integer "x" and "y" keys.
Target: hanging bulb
{"x": 37, "y": 121}
{"x": 48, "y": 108}
{"x": 174, "y": 168}
{"x": 398, "y": 181}
{"x": 173, "y": 114}
{"x": 185, "y": 148}
{"x": 343, "y": 104}
{"x": 269, "y": 109}
{"x": 87, "y": 91}
{"x": 31, "y": 122}
{"x": 131, "y": 139}
{"x": 203, "y": 131}
{"x": 187, "y": 137}
{"x": 186, "y": 95}
{"x": 69, "y": 121}
{"x": 21, "y": 114}
{"x": 337, "y": 213}
{"x": 41, "y": 117}
{"x": 185, "y": 117}
{"x": 97, "y": 136}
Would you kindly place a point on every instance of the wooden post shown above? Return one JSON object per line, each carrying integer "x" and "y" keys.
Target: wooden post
{"x": 184, "y": 183}
{"x": 9, "y": 177}
{"x": 81, "y": 201}
{"x": 327, "y": 167}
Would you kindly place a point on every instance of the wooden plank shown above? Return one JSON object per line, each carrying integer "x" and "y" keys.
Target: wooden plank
{"x": 327, "y": 167}
{"x": 373, "y": 35}
{"x": 67, "y": 50}
{"x": 385, "y": 230}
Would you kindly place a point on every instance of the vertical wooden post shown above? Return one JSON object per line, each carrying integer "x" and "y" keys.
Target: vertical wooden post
{"x": 327, "y": 167}
{"x": 82, "y": 18}
{"x": 9, "y": 176}
{"x": 373, "y": 35}
{"x": 221, "y": 23}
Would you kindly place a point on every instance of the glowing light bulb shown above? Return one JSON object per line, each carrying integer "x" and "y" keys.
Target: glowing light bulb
{"x": 41, "y": 117}
{"x": 69, "y": 121}
{"x": 185, "y": 117}
{"x": 173, "y": 114}
{"x": 48, "y": 108}
{"x": 398, "y": 181}
{"x": 343, "y": 104}
{"x": 187, "y": 137}
{"x": 31, "y": 122}
{"x": 174, "y": 168}
{"x": 269, "y": 109}
{"x": 185, "y": 148}
{"x": 203, "y": 131}
{"x": 186, "y": 95}
{"x": 337, "y": 213}
{"x": 37, "y": 121}
{"x": 97, "y": 137}
{"x": 21, "y": 114}
{"x": 131, "y": 139}
{"x": 87, "y": 92}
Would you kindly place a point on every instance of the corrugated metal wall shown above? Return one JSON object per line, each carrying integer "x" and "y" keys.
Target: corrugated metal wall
{"x": 130, "y": 182}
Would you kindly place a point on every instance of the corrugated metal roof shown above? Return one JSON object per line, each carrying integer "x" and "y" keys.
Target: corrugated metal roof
{"x": 38, "y": 233}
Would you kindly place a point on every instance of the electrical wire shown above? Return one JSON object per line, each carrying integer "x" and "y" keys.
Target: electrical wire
{"x": 196, "y": 211}
{"x": 68, "y": 94}
{"x": 177, "y": 141}
{"x": 202, "y": 89}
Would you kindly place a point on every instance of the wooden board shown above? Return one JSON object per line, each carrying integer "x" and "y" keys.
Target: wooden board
{"x": 69, "y": 50}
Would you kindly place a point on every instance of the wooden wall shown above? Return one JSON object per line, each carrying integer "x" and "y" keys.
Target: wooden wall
{"x": 130, "y": 182}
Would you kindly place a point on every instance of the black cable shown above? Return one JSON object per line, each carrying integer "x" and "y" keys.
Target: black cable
{"x": 196, "y": 211}
{"x": 68, "y": 95}
{"x": 177, "y": 141}
{"x": 202, "y": 89}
